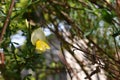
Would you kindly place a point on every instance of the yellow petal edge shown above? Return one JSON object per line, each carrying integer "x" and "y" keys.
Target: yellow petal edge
{"x": 42, "y": 46}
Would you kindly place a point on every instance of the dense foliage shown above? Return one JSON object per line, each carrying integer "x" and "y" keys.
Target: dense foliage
{"x": 98, "y": 21}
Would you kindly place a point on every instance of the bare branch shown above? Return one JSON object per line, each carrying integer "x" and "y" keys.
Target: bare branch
{"x": 7, "y": 20}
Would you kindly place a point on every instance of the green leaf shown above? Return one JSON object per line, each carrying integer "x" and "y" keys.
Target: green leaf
{"x": 107, "y": 15}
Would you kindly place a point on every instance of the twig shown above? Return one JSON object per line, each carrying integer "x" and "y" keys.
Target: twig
{"x": 63, "y": 59}
{"x": 67, "y": 17}
{"x": 7, "y": 20}
{"x": 116, "y": 49}
{"x": 62, "y": 56}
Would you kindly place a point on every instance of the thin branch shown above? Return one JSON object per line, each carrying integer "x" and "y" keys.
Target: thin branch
{"x": 116, "y": 49}
{"x": 67, "y": 17}
{"x": 7, "y": 20}
{"x": 84, "y": 4}
{"x": 64, "y": 5}
{"x": 80, "y": 63}
{"x": 65, "y": 61}
{"x": 118, "y": 8}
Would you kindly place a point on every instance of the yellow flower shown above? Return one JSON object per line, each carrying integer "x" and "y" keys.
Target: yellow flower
{"x": 38, "y": 39}
{"x": 41, "y": 46}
